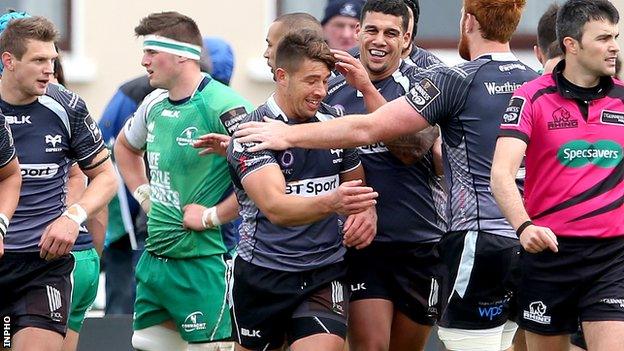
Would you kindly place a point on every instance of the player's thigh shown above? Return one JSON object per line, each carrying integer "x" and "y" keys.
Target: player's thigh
{"x": 85, "y": 280}
{"x": 604, "y": 336}
{"x": 196, "y": 296}
{"x": 370, "y": 323}
{"x": 408, "y": 335}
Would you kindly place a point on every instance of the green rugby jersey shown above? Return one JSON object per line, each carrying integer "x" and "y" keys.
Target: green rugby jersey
{"x": 166, "y": 130}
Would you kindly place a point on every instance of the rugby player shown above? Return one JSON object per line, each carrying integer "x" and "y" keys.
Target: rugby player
{"x": 181, "y": 294}
{"x": 52, "y": 129}
{"x": 289, "y": 274}
{"x": 394, "y": 281}
{"x": 480, "y": 250}
{"x": 10, "y": 179}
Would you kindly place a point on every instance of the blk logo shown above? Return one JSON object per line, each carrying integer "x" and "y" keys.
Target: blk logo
{"x": 250, "y": 333}
{"x": 358, "y": 286}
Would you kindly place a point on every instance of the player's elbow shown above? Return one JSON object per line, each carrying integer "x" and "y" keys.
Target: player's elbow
{"x": 498, "y": 177}
{"x": 278, "y": 217}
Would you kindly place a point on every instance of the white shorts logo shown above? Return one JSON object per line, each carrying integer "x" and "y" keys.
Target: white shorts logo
{"x": 193, "y": 322}
{"x": 55, "y": 303}
{"x": 537, "y": 313}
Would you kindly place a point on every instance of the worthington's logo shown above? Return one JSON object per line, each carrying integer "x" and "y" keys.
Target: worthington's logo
{"x": 579, "y": 153}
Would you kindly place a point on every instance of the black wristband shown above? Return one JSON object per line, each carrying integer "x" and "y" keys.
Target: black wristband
{"x": 522, "y": 227}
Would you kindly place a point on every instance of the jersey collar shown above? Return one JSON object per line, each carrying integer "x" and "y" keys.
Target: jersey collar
{"x": 604, "y": 85}
{"x": 277, "y": 111}
{"x": 499, "y": 56}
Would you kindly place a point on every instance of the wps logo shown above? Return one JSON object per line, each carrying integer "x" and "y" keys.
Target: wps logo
{"x": 579, "y": 153}
{"x": 193, "y": 322}
{"x": 491, "y": 312}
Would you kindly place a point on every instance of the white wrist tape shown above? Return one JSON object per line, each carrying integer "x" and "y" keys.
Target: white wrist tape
{"x": 76, "y": 213}
{"x": 211, "y": 213}
{"x": 4, "y": 225}
{"x": 142, "y": 193}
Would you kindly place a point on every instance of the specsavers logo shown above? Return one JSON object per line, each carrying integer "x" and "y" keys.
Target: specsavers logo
{"x": 579, "y": 153}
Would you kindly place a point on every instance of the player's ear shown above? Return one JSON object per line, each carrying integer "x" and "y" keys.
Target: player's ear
{"x": 7, "y": 60}
{"x": 281, "y": 76}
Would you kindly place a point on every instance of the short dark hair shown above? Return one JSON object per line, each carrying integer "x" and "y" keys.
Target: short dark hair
{"x": 573, "y": 15}
{"x": 295, "y": 47}
{"x": 59, "y": 73}
{"x": 172, "y": 25}
{"x": 388, "y": 7}
{"x": 546, "y": 28}
{"x": 297, "y": 21}
{"x": 415, "y": 7}
{"x": 18, "y": 31}
{"x": 554, "y": 50}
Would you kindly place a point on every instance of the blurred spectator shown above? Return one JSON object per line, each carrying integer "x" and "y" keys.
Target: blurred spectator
{"x": 340, "y": 22}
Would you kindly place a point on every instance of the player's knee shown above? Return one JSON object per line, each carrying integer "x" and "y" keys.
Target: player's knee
{"x": 492, "y": 339}
{"x": 212, "y": 346}
{"x": 157, "y": 338}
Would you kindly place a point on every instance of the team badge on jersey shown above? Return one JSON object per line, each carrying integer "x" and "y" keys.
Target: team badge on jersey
{"x": 232, "y": 118}
{"x": 512, "y": 114}
{"x": 93, "y": 129}
{"x": 423, "y": 94}
{"x": 612, "y": 117}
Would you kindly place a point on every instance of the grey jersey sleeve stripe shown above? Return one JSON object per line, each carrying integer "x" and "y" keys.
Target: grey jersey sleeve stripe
{"x": 58, "y": 110}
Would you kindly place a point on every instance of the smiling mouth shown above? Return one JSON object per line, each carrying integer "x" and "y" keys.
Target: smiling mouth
{"x": 314, "y": 103}
{"x": 377, "y": 53}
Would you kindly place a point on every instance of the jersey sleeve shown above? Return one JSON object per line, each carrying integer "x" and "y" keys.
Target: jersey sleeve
{"x": 517, "y": 120}
{"x": 7, "y": 148}
{"x": 439, "y": 93}
{"x": 350, "y": 160}
{"x": 86, "y": 137}
{"x": 135, "y": 129}
{"x": 232, "y": 113}
{"x": 244, "y": 162}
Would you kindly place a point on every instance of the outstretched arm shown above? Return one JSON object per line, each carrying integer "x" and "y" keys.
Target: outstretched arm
{"x": 390, "y": 121}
